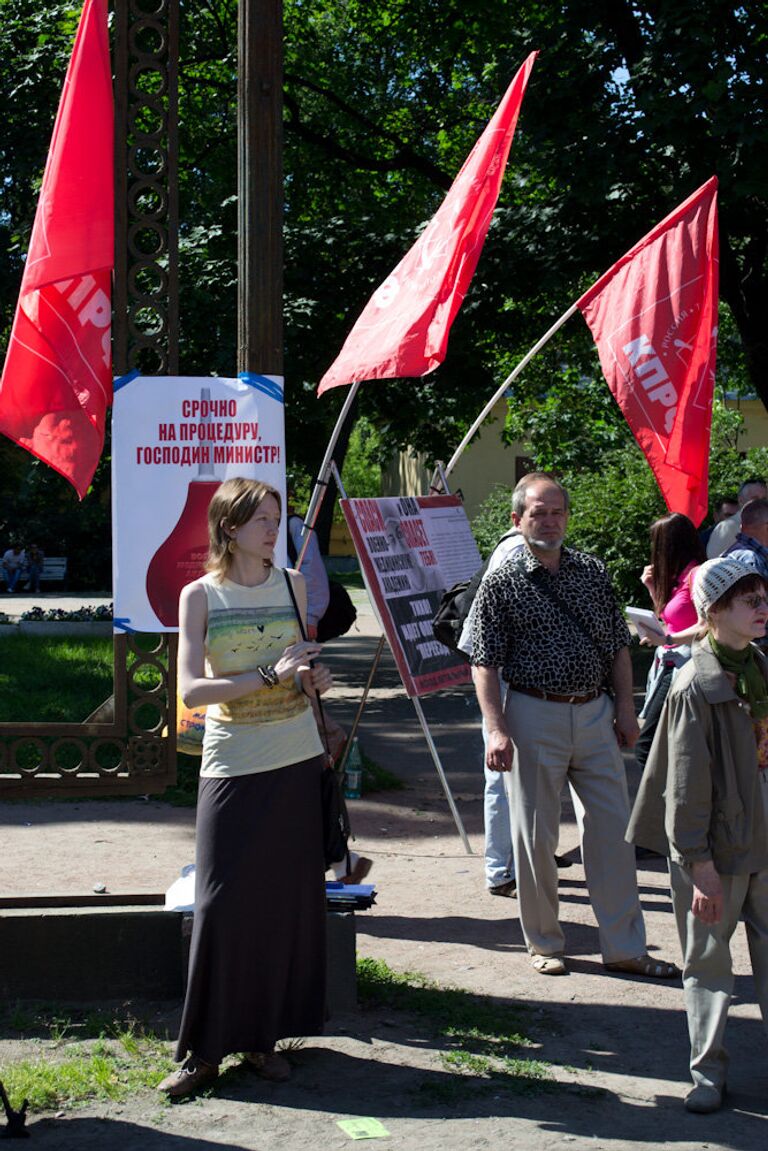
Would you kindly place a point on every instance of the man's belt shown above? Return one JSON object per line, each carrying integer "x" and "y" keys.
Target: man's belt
{"x": 553, "y": 697}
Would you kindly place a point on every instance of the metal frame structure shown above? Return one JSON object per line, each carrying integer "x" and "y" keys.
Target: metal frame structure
{"x": 128, "y": 745}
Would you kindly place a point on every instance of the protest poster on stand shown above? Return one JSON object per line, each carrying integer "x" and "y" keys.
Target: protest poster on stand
{"x": 174, "y": 441}
{"x": 411, "y": 548}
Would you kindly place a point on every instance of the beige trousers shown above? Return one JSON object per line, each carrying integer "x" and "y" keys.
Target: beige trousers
{"x": 707, "y": 966}
{"x": 555, "y": 743}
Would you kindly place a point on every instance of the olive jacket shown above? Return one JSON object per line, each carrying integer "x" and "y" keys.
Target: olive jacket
{"x": 700, "y": 797}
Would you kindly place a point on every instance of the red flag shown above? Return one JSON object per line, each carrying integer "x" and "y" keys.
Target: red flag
{"x": 404, "y": 328}
{"x": 57, "y": 379}
{"x": 653, "y": 316}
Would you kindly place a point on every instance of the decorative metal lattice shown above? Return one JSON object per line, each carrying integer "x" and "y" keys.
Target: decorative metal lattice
{"x": 146, "y": 192}
{"x": 123, "y": 749}
{"x": 127, "y": 746}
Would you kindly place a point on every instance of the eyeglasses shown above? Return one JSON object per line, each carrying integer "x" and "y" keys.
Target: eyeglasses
{"x": 753, "y": 602}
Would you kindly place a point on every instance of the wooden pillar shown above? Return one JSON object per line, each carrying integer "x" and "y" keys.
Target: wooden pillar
{"x": 260, "y": 187}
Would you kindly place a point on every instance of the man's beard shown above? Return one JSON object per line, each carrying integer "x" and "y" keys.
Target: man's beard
{"x": 546, "y": 545}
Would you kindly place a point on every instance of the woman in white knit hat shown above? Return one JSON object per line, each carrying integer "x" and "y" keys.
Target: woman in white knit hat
{"x": 703, "y": 801}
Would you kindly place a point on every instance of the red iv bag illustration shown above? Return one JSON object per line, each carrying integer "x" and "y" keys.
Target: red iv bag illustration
{"x": 181, "y": 557}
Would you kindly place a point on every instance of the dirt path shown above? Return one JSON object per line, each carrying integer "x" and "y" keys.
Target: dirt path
{"x": 618, "y": 1046}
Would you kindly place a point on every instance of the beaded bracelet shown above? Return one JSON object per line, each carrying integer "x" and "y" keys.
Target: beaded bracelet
{"x": 269, "y": 676}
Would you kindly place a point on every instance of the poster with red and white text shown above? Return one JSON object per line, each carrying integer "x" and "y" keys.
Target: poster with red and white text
{"x": 411, "y": 548}
{"x": 174, "y": 441}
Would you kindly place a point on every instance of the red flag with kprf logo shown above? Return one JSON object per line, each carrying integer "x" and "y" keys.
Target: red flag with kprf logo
{"x": 653, "y": 316}
{"x": 403, "y": 330}
{"x": 57, "y": 378}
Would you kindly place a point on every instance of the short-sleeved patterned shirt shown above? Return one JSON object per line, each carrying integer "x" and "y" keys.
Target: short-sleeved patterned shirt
{"x": 520, "y": 629}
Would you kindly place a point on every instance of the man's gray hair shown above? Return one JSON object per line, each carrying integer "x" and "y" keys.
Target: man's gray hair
{"x": 754, "y": 512}
{"x": 520, "y": 494}
{"x": 754, "y": 482}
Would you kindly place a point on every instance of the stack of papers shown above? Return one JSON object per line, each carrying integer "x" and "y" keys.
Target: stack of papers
{"x": 647, "y": 623}
{"x": 349, "y": 896}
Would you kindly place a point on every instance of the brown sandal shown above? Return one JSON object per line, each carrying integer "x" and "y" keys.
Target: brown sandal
{"x": 645, "y": 965}
{"x": 193, "y": 1075}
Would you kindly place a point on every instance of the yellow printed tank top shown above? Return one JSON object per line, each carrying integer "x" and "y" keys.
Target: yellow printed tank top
{"x": 270, "y": 728}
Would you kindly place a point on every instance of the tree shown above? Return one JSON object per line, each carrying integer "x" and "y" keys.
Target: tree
{"x": 615, "y": 499}
{"x": 631, "y": 106}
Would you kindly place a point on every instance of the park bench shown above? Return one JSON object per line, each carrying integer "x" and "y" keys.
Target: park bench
{"x": 54, "y": 571}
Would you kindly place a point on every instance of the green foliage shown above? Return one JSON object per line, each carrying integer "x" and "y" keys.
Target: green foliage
{"x": 729, "y": 465}
{"x": 630, "y": 108}
{"x": 615, "y": 500}
{"x": 570, "y": 419}
{"x": 493, "y": 519}
{"x": 361, "y": 475}
{"x": 611, "y": 512}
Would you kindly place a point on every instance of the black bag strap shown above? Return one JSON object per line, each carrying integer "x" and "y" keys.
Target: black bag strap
{"x": 303, "y": 631}
{"x": 473, "y": 587}
{"x": 544, "y": 586}
{"x": 343, "y": 813}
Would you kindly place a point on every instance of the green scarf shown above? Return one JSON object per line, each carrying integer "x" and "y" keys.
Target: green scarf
{"x": 750, "y": 683}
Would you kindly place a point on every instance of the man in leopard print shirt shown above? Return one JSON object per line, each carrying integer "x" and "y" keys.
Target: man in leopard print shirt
{"x": 549, "y": 620}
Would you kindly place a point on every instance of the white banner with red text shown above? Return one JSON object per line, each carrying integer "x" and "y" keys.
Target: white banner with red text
{"x": 174, "y": 441}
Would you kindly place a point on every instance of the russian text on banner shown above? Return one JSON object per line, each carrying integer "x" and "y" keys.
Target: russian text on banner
{"x": 653, "y": 316}
{"x": 411, "y": 548}
{"x": 403, "y": 330}
{"x": 57, "y": 378}
{"x": 174, "y": 441}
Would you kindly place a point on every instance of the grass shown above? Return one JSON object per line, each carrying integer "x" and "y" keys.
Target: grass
{"x": 87, "y": 1056}
{"x": 62, "y": 680}
{"x": 53, "y": 680}
{"x": 96, "y": 1055}
{"x": 378, "y": 778}
{"x": 483, "y": 1041}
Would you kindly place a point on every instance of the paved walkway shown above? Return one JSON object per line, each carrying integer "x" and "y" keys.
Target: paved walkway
{"x": 620, "y": 1043}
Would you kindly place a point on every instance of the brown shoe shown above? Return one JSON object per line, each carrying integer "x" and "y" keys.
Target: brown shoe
{"x": 358, "y": 872}
{"x": 269, "y": 1065}
{"x": 193, "y": 1074}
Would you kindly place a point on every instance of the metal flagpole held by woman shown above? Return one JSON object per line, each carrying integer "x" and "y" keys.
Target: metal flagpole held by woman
{"x": 323, "y": 476}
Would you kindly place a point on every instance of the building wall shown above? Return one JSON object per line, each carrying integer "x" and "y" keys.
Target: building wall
{"x": 754, "y": 433}
{"x": 485, "y": 462}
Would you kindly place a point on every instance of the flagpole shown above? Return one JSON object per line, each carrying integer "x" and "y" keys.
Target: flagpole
{"x": 509, "y": 380}
{"x": 323, "y": 476}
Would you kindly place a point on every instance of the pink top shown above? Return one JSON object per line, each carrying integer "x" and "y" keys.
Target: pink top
{"x": 679, "y": 612}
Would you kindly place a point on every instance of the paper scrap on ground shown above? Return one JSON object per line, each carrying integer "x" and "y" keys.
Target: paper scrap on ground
{"x": 363, "y": 1128}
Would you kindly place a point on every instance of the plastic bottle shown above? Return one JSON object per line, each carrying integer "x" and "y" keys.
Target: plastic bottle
{"x": 353, "y": 774}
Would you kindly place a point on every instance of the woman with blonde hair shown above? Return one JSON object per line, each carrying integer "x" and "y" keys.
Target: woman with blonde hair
{"x": 257, "y": 960}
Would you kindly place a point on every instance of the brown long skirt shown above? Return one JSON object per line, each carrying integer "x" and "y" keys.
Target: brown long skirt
{"x": 257, "y": 959}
